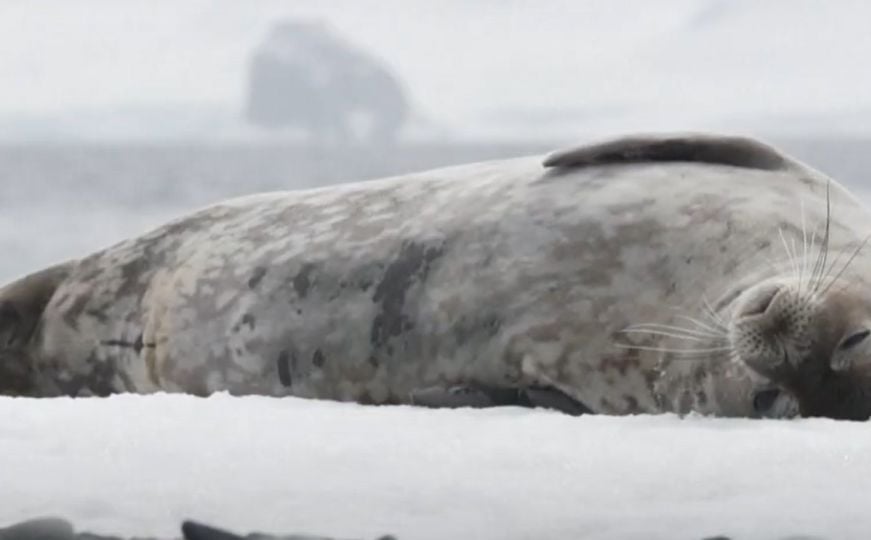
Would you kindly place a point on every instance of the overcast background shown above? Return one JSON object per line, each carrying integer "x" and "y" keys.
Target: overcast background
{"x": 118, "y": 114}
{"x": 471, "y": 66}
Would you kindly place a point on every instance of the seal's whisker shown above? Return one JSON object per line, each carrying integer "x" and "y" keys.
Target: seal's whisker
{"x": 789, "y": 255}
{"x": 686, "y": 352}
{"x": 715, "y": 329}
{"x": 697, "y": 331}
{"x": 828, "y": 273}
{"x": 671, "y": 330}
{"x": 712, "y": 314}
{"x": 715, "y": 324}
{"x": 812, "y": 245}
{"x": 803, "y": 246}
{"x": 820, "y": 265}
{"x": 662, "y": 333}
{"x": 779, "y": 266}
{"x": 798, "y": 262}
{"x": 846, "y": 264}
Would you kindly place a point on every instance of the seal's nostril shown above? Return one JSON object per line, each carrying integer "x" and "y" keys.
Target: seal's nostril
{"x": 760, "y": 304}
{"x": 764, "y": 400}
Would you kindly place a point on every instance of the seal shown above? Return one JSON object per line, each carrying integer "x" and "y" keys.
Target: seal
{"x": 654, "y": 273}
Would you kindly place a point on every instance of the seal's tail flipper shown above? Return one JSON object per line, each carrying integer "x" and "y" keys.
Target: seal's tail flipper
{"x": 23, "y": 301}
{"x": 690, "y": 147}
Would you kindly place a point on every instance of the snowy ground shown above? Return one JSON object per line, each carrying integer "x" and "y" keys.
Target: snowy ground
{"x": 139, "y": 465}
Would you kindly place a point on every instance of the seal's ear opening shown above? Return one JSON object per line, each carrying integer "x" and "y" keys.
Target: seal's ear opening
{"x": 22, "y": 303}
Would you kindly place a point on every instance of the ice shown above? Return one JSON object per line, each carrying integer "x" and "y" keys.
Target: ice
{"x": 141, "y": 464}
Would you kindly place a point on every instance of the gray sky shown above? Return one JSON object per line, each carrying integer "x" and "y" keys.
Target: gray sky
{"x": 460, "y": 58}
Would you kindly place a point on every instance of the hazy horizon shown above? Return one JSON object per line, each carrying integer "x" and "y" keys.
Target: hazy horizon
{"x": 486, "y": 67}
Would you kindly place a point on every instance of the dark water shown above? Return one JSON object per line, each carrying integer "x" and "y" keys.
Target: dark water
{"x": 58, "y": 202}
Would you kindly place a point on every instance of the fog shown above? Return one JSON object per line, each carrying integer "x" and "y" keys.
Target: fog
{"x": 116, "y": 69}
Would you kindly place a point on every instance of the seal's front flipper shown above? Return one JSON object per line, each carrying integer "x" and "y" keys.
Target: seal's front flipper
{"x": 467, "y": 396}
{"x": 551, "y": 398}
{"x": 482, "y": 397}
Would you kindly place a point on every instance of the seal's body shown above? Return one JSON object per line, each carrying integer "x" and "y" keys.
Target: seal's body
{"x": 609, "y": 276}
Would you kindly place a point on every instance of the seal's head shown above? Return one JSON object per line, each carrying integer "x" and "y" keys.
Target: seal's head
{"x": 812, "y": 340}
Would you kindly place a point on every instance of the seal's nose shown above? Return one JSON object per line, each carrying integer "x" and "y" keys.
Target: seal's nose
{"x": 760, "y": 302}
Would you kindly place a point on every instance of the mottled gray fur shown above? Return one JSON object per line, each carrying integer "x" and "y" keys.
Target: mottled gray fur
{"x": 503, "y": 275}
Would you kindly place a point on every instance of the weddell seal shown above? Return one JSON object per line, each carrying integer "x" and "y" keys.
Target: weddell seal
{"x": 662, "y": 273}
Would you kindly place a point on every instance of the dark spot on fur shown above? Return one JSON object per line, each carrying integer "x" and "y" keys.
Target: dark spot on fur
{"x": 101, "y": 378}
{"x": 72, "y": 314}
{"x": 283, "y": 364}
{"x": 98, "y": 381}
{"x": 256, "y": 277}
{"x": 631, "y": 404}
{"x": 622, "y": 364}
{"x": 137, "y": 345}
{"x": 374, "y": 361}
{"x": 130, "y": 274}
{"x": 249, "y": 320}
{"x": 318, "y": 358}
{"x": 699, "y": 376}
{"x": 412, "y": 264}
{"x": 302, "y": 281}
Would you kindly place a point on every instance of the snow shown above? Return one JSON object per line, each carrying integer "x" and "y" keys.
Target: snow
{"x": 140, "y": 464}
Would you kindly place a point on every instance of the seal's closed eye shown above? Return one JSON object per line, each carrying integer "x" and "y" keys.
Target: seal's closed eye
{"x": 854, "y": 339}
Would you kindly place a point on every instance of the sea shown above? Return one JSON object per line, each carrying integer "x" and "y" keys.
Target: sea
{"x": 62, "y": 201}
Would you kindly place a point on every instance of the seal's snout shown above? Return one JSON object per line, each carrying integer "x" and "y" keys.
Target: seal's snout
{"x": 773, "y": 329}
